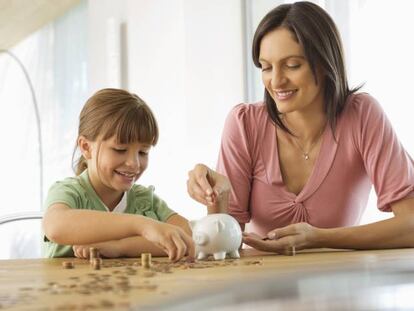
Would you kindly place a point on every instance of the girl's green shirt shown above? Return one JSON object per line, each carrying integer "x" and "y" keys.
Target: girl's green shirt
{"x": 77, "y": 192}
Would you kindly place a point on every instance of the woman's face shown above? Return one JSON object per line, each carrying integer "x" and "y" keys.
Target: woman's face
{"x": 286, "y": 73}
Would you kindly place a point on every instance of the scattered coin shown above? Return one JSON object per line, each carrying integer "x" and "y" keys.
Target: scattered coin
{"x": 68, "y": 265}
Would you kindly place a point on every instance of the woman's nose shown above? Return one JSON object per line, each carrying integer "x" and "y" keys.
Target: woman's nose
{"x": 277, "y": 79}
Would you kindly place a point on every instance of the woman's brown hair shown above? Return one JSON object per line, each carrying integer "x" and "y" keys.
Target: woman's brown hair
{"x": 316, "y": 32}
{"x": 116, "y": 112}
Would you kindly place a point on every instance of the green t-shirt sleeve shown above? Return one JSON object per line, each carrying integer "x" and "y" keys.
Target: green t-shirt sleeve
{"x": 62, "y": 193}
{"x": 161, "y": 208}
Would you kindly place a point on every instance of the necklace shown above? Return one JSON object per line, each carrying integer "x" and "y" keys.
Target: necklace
{"x": 305, "y": 154}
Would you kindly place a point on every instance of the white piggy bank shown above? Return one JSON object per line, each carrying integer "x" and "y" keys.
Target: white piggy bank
{"x": 217, "y": 235}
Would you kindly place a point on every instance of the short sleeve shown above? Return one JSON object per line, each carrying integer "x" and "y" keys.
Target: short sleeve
{"x": 388, "y": 165}
{"x": 161, "y": 209}
{"x": 62, "y": 193}
{"x": 235, "y": 161}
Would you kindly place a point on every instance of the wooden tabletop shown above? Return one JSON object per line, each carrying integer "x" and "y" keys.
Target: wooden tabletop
{"x": 122, "y": 284}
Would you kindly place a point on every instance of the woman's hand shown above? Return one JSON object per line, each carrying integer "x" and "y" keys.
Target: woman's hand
{"x": 297, "y": 236}
{"x": 106, "y": 249}
{"x": 209, "y": 188}
{"x": 172, "y": 239}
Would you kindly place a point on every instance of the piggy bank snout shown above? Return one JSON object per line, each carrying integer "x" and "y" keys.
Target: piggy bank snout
{"x": 200, "y": 238}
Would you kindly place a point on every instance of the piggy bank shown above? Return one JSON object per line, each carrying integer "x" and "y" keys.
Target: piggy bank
{"x": 217, "y": 235}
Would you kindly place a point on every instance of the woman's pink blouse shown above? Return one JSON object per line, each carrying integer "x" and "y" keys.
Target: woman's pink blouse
{"x": 364, "y": 152}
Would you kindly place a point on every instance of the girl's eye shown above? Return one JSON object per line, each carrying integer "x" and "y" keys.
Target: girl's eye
{"x": 143, "y": 153}
{"x": 119, "y": 150}
{"x": 266, "y": 69}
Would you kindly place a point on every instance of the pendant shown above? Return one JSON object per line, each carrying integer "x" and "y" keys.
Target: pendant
{"x": 306, "y": 156}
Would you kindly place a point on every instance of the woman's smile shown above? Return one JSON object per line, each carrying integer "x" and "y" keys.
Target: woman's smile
{"x": 284, "y": 94}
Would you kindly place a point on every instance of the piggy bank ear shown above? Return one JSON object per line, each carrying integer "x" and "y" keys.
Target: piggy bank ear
{"x": 192, "y": 224}
{"x": 219, "y": 225}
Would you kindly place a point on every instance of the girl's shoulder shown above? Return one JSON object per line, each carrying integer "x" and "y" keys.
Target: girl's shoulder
{"x": 140, "y": 193}
{"x": 73, "y": 183}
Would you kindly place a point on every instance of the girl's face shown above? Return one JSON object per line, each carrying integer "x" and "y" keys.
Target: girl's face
{"x": 286, "y": 73}
{"x": 115, "y": 167}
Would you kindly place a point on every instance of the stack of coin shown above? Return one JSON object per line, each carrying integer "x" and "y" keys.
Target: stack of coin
{"x": 93, "y": 253}
{"x": 96, "y": 263}
{"x": 290, "y": 251}
{"x": 68, "y": 265}
{"x": 146, "y": 260}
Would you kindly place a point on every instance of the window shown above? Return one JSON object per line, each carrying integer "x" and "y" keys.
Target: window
{"x": 55, "y": 59}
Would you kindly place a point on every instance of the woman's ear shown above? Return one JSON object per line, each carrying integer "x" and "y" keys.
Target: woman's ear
{"x": 85, "y": 147}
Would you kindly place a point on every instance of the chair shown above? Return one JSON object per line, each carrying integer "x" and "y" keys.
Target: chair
{"x": 21, "y": 235}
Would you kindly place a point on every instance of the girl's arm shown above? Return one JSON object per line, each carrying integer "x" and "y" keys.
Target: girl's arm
{"x": 127, "y": 247}
{"x": 396, "y": 232}
{"x": 132, "y": 246}
{"x": 67, "y": 226}
{"x": 180, "y": 221}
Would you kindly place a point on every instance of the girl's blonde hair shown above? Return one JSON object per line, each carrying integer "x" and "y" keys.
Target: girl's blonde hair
{"x": 116, "y": 112}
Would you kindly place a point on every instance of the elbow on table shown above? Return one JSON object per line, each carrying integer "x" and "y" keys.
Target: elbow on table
{"x": 52, "y": 230}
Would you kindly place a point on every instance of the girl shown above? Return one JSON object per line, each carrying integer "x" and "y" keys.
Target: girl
{"x": 302, "y": 162}
{"x": 101, "y": 206}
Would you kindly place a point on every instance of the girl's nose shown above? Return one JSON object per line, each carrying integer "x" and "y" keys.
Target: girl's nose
{"x": 133, "y": 161}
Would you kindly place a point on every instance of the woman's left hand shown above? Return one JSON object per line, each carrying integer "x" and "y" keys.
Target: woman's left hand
{"x": 300, "y": 236}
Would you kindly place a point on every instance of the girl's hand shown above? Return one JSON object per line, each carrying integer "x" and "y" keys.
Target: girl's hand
{"x": 106, "y": 249}
{"x": 173, "y": 240}
{"x": 208, "y": 187}
{"x": 300, "y": 236}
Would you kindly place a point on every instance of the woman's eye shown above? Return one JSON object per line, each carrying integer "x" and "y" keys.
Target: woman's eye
{"x": 266, "y": 69}
{"x": 143, "y": 153}
{"x": 293, "y": 66}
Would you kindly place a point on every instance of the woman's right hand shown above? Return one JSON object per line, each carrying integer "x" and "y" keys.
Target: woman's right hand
{"x": 208, "y": 187}
{"x": 172, "y": 239}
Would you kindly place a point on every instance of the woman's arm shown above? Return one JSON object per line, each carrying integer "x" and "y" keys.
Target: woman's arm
{"x": 64, "y": 225}
{"x": 396, "y": 232}
{"x": 209, "y": 188}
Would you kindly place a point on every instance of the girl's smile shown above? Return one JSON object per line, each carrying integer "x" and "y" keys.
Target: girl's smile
{"x": 113, "y": 167}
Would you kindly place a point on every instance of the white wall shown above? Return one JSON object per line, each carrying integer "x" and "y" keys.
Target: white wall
{"x": 184, "y": 59}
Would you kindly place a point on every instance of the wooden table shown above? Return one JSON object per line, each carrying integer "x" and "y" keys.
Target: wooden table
{"x": 43, "y": 284}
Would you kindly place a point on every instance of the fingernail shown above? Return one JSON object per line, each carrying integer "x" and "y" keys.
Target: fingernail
{"x": 209, "y": 192}
{"x": 272, "y": 236}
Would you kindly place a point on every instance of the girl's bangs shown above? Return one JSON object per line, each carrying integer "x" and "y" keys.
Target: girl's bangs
{"x": 137, "y": 125}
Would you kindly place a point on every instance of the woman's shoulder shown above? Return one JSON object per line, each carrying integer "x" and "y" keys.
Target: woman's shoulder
{"x": 249, "y": 108}
{"x": 362, "y": 103}
{"x": 362, "y": 108}
{"x": 248, "y": 113}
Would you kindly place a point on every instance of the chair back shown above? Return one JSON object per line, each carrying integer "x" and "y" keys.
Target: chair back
{"x": 21, "y": 235}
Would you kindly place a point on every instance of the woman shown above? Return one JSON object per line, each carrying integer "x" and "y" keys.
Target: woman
{"x": 301, "y": 163}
